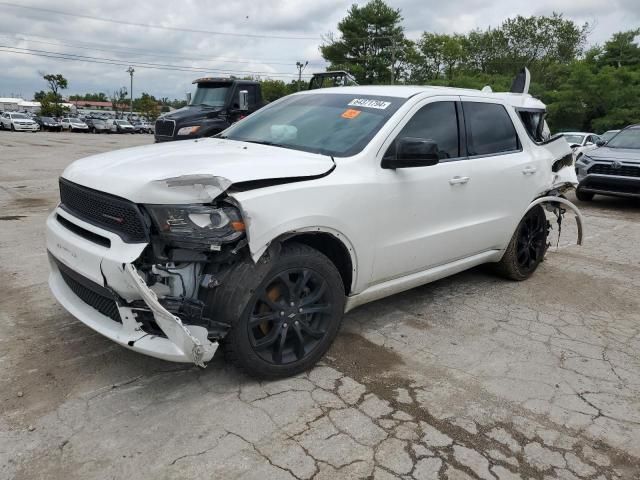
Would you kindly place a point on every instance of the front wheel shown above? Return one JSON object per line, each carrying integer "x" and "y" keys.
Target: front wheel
{"x": 284, "y": 314}
{"x": 527, "y": 246}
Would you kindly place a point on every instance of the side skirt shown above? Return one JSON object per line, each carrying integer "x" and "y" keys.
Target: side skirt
{"x": 408, "y": 282}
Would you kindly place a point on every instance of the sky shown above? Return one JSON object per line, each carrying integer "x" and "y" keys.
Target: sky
{"x": 241, "y": 37}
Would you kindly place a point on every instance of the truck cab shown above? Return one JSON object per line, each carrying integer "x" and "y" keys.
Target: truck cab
{"x": 214, "y": 106}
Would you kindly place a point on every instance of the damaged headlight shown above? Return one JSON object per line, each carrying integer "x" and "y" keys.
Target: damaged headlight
{"x": 198, "y": 224}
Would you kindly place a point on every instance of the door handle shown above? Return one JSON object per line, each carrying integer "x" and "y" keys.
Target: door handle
{"x": 529, "y": 170}
{"x": 458, "y": 180}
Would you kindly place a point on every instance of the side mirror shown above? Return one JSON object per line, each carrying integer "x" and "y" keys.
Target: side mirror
{"x": 243, "y": 100}
{"x": 412, "y": 152}
{"x": 600, "y": 143}
{"x": 574, "y": 145}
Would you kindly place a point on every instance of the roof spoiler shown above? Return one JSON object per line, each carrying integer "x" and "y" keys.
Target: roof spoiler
{"x": 521, "y": 82}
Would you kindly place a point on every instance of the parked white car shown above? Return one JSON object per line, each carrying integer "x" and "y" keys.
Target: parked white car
{"x": 260, "y": 239}
{"x": 74, "y": 125}
{"x": 18, "y": 122}
{"x": 581, "y": 142}
{"x": 120, "y": 126}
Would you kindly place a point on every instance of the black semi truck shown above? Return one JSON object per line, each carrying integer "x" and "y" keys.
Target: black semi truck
{"x": 216, "y": 104}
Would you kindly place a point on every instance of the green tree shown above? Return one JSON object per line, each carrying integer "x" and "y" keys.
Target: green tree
{"x": 118, "y": 100}
{"x": 370, "y": 44}
{"x": 147, "y": 105}
{"x": 53, "y": 99}
{"x": 621, "y": 50}
{"x": 273, "y": 89}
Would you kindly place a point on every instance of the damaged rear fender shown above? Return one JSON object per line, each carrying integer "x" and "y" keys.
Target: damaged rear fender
{"x": 553, "y": 201}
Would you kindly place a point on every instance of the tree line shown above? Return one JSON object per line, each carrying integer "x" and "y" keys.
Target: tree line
{"x": 585, "y": 89}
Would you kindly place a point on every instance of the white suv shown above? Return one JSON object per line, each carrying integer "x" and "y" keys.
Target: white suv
{"x": 260, "y": 239}
{"x": 18, "y": 122}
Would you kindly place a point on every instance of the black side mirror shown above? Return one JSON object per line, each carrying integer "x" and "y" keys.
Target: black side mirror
{"x": 600, "y": 143}
{"x": 412, "y": 152}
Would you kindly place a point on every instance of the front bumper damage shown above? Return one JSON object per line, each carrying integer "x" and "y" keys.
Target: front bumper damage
{"x": 109, "y": 272}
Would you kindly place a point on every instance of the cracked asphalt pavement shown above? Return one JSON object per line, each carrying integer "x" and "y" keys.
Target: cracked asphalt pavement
{"x": 468, "y": 377}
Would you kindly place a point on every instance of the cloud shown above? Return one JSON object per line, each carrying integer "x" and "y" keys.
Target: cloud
{"x": 216, "y": 54}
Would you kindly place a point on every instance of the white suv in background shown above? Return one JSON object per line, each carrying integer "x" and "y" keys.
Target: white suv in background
{"x": 18, "y": 122}
{"x": 262, "y": 238}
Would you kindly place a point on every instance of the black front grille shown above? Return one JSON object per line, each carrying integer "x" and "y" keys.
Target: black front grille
{"x": 103, "y": 210}
{"x": 622, "y": 171}
{"x": 164, "y": 128}
{"x": 94, "y": 295}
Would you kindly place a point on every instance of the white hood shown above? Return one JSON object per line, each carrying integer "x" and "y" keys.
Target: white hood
{"x": 190, "y": 170}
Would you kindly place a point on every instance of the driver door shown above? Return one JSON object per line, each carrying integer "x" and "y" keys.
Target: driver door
{"x": 425, "y": 211}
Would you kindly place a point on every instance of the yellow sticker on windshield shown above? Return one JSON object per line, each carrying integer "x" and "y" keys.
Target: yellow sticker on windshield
{"x": 350, "y": 113}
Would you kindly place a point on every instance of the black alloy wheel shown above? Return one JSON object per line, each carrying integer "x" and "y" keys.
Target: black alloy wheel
{"x": 531, "y": 244}
{"x": 527, "y": 247}
{"x": 284, "y": 313}
{"x": 290, "y": 317}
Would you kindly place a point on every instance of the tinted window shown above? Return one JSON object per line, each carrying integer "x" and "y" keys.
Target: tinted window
{"x": 437, "y": 122}
{"x": 489, "y": 129}
{"x": 533, "y": 122}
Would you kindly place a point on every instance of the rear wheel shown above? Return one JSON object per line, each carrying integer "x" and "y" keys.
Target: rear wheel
{"x": 584, "y": 196}
{"x": 285, "y": 314}
{"x": 13, "y": 129}
{"x": 527, "y": 246}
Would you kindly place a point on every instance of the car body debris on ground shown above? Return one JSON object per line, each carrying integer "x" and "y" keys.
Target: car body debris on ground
{"x": 468, "y": 377}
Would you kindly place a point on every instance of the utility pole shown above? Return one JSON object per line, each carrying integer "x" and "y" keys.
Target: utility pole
{"x": 393, "y": 59}
{"x": 301, "y": 67}
{"x": 130, "y": 71}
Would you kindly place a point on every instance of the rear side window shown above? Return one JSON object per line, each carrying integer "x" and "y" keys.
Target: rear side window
{"x": 437, "y": 122}
{"x": 489, "y": 129}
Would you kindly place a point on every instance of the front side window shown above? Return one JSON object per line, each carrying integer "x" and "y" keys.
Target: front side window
{"x": 335, "y": 124}
{"x": 489, "y": 129}
{"x": 437, "y": 122}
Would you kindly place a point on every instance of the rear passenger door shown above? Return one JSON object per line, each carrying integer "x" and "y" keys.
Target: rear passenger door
{"x": 505, "y": 178}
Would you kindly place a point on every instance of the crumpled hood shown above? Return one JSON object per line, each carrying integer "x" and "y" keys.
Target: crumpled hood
{"x": 190, "y": 170}
{"x": 622, "y": 154}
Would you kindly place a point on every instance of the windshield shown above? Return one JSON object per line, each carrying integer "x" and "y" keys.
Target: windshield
{"x": 574, "y": 139}
{"x": 18, "y": 115}
{"x": 333, "y": 124}
{"x": 122, "y": 122}
{"x": 210, "y": 94}
{"x": 606, "y": 136}
{"x": 629, "y": 138}
{"x": 74, "y": 120}
{"x": 46, "y": 119}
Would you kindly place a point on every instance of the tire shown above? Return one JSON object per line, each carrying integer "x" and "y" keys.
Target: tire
{"x": 584, "y": 196}
{"x": 527, "y": 247}
{"x": 13, "y": 129}
{"x": 270, "y": 335}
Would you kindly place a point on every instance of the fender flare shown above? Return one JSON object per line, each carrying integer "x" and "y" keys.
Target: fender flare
{"x": 339, "y": 236}
{"x": 554, "y": 199}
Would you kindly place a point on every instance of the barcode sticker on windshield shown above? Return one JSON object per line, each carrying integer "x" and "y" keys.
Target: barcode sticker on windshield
{"x": 369, "y": 103}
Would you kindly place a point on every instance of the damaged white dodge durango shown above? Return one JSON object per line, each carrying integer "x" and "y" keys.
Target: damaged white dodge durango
{"x": 261, "y": 238}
